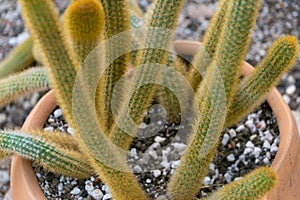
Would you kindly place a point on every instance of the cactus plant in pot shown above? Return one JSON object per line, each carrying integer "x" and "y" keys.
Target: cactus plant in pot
{"x": 103, "y": 123}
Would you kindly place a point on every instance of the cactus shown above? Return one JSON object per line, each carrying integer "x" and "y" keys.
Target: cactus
{"x": 281, "y": 56}
{"x": 54, "y": 158}
{"x": 84, "y": 22}
{"x": 99, "y": 140}
{"x": 30, "y": 80}
{"x": 20, "y": 58}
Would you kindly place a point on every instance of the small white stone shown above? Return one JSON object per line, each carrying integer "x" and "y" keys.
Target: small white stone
{"x": 269, "y": 136}
{"x": 175, "y": 164}
{"x": 248, "y": 151}
{"x": 137, "y": 169}
{"x": 70, "y": 130}
{"x": 252, "y": 137}
{"x": 274, "y": 149}
{"x": 57, "y": 113}
{"x": 256, "y": 152}
{"x": 249, "y": 144}
{"x": 60, "y": 187}
{"x": 228, "y": 177}
{"x": 92, "y": 178}
{"x": 240, "y": 128}
{"x": 75, "y": 191}
{"x": 286, "y": 98}
{"x": 106, "y": 197}
{"x": 206, "y": 180}
{"x": 97, "y": 194}
{"x": 225, "y": 139}
{"x": 74, "y": 182}
{"x": 230, "y": 157}
{"x": 266, "y": 144}
{"x": 159, "y": 123}
{"x": 153, "y": 154}
{"x": 212, "y": 166}
{"x": 291, "y": 90}
{"x": 148, "y": 180}
{"x": 159, "y": 139}
{"x": 89, "y": 186}
{"x": 232, "y": 133}
{"x": 133, "y": 152}
{"x": 4, "y": 176}
{"x": 266, "y": 161}
{"x": 49, "y": 129}
{"x": 156, "y": 173}
{"x": 179, "y": 146}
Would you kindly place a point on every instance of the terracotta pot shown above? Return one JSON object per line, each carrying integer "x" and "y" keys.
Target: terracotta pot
{"x": 24, "y": 184}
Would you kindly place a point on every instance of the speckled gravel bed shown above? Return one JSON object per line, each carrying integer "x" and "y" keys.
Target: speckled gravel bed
{"x": 251, "y": 143}
{"x": 277, "y": 17}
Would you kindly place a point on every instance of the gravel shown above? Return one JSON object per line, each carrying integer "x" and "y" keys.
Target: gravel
{"x": 277, "y": 18}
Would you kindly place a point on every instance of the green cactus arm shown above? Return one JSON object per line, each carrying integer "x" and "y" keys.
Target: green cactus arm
{"x": 44, "y": 25}
{"x": 20, "y": 58}
{"x": 234, "y": 42}
{"x": 253, "y": 186}
{"x": 30, "y": 80}
{"x": 164, "y": 16}
{"x": 281, "y": 56}
{"x": 117, "y": 20}
{"x": 209, "y": 45}
{"x": 206, "y": 130}
{"x": 214, "y": 97}
{"x": 84, "y": 22}
{"x": 56, "y": 159}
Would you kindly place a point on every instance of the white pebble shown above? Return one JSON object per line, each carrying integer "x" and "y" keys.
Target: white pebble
{"x": 179, "y": 146}
{"x": 49, "y": 129}
{"x": 153, "y": 154}
{"x": 142, "y": 125}
{"x": 148, "y": 180}
{"x": 249, "y": 144}
{"x": 252, "y": 137}
{"x": 256, "y": 152}
{"x": 266, "y": 161}
{"x": 206, "y": 180}
{"x": 230, "y": 157}
{"x": 240, "y": 128}
{"x": 74, "y": 182}
{"x": 97, "y": 194}
{"x": 133, "y": 152}
{"x": 60, "y": 187}
{"x": 266, "y": 144}
{"x": 291, "y": 90}
{"x": 286, "y": 98}
{"x": 57, "y": 113}
{"x": 159, "y": 139}
{"x": 156, "y": 173}
{"x": 4, "y": 176}
{"x": 75, "y": 191}
{"x": 175, "y": 164}
{"x": 106, "y": 197}
{"x": 137, "y": 169}
{"x": 248, "y": 151}
{"x": 225, "y": 139}
{"x": 232, "y": 133}
{"x": 89, "y": 186}
{"x": 70, "y": 130}
{"x": 274, "y": 149}
{"x": 227, "y": 177}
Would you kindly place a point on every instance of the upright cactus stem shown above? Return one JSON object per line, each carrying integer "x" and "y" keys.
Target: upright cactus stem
{"x": 84, "y": 23}
{"x": 43, "y": 21}
{"x": 281, "y": 56}
{"x": 253, "y": 186}
{"x": 117, "y": 20}
{"x": 19, "y": 59}
{"x": 164, "y": 16}
{"x": 209, "y": 45}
